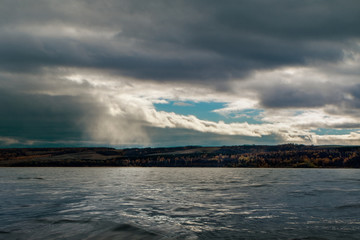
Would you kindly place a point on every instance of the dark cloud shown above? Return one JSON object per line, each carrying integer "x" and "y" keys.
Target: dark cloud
{"x": 292, "y": 19}
{"x": 300, "y": 96}
{"x": 342, "y": 98}
{"x": 179, "y": 40}
{"x": 44, "y": 117}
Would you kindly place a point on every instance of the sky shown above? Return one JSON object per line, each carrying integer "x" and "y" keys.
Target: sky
{"x": 139, "y": 73}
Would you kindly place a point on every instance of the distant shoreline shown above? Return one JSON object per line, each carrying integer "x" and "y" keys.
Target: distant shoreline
{"x": 257, "y": 156}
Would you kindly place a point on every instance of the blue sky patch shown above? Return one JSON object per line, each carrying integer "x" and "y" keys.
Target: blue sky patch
{"x": 202, "y": 110}
{"x": 205, "y": 111}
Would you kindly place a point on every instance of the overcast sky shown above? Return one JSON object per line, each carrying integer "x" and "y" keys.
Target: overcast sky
{"x": 128, "y": 73}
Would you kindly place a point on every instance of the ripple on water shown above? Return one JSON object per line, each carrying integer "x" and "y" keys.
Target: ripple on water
{"x": 168, "y": 203}
{"x": 125, "y": 232}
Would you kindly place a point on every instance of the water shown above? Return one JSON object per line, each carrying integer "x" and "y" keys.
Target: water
{"x": 179, "y": 203}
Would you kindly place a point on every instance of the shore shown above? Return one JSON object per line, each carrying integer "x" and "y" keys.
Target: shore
{"x": 289, "y": 155}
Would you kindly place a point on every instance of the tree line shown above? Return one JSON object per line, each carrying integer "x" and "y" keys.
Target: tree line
{"x": 281, "y": 156}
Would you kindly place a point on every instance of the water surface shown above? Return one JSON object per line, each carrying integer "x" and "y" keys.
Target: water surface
{"x": 179, "y": 203}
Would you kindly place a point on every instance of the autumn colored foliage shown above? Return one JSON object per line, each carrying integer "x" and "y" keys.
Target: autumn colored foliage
{"x": 281, "y": 156}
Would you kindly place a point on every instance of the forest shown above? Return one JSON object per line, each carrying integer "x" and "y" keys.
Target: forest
{"x": 256, "y": 156}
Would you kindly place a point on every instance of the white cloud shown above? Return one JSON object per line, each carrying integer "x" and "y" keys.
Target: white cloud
{"x": 307, "y": 119}
{"x": 11, "y": 141}
{"x": 8, "y": 141}
{"x": 128, "y": 108}
{"x": 344, "y": 139}
{"x": 238, "y": 105}
{"x": 183, "y": 104}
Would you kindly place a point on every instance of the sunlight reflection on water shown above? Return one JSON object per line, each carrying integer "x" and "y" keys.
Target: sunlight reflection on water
{"x": 179, "y": 203}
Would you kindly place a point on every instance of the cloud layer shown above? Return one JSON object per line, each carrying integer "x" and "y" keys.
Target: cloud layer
{"x": 91, "y": 73}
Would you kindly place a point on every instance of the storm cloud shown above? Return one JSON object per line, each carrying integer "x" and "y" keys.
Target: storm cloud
{"x": 93, "y": 71}
{"x": 187, "y": 40}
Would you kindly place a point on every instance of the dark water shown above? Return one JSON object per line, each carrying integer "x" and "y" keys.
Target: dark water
{"x": 179, "y": 203}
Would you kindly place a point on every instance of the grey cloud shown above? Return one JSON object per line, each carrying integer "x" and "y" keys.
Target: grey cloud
{"x": 28, "y": 53}
{"x": 344, "y": 98}
{"x": 346, "y": 126}
{"x": 348, "y": 105}
{"x": 185, "y": 137}
{"x": 43, "y": 117}
{"x": 182, "y": 40}
{"x": 292, "y": 19}
{"x": 290, "y": 96}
